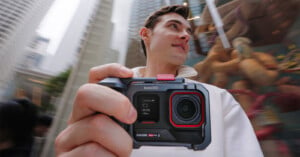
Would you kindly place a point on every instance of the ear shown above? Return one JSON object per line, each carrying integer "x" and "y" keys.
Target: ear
{"x": 144, "y": 33}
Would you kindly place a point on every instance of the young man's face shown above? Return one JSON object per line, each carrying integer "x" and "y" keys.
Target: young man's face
{"x": 168, "y": 41}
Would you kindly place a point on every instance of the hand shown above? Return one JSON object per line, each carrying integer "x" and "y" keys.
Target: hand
{"x": 92, "y": 134}
{"x": 242, "y": 46}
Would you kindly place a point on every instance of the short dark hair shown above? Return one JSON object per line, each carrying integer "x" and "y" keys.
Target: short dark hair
{"x": 17, "y": 120}
{"x": 154, "y": 18}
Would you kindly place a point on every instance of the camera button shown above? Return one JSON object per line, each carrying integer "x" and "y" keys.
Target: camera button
{"x": 165, "y": 77}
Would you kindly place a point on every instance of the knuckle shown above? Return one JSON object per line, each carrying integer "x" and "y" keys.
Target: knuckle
{"x": 58, "y": 141}
{"x": 92, "y": 71}
{"x": 83, "y": 93}
{"x": 83, "y": 89}
{"x": 114, "y": 66}
{"x": 100, "y": 121}
{"x": 90, "y": 148}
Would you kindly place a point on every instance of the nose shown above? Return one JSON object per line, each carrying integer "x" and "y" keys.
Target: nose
{"x": 184, "y": 35}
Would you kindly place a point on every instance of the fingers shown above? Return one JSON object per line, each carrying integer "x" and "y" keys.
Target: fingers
{"x": 109, "y": 70}
{"x": 90, "y": 149}
{"x": 99, "y": 129}
{"x": 90, "y": 131}
{"x": 93, "y": 98}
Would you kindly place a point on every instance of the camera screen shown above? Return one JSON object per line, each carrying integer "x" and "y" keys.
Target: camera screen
{"x": 147, "y": 107}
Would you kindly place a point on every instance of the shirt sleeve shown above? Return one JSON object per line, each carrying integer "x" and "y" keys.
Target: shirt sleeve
{"x": 240, "y": 138}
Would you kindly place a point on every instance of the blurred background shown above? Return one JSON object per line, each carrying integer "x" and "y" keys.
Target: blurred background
{"x": 249, "y": 47}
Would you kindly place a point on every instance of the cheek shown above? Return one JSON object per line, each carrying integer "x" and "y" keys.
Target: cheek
{"x": 159, "y": 43}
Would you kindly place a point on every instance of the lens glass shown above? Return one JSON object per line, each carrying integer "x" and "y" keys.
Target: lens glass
{"x": 186, "y": 109}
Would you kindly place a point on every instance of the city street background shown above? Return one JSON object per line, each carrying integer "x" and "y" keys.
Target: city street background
{"x": 48, "y": 46}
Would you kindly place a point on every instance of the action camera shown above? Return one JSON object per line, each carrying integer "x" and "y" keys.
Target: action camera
{"x": 171, "y": 112}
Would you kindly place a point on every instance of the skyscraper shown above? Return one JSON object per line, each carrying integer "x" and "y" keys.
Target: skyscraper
{"x": 35, "y": 53}
{"x": 67, "y": 51}
{"x": 94, "y": 50}
{"x": 18, "y": 22}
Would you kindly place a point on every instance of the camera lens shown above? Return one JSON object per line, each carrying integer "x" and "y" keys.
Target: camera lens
{"x": 186, "y": 109}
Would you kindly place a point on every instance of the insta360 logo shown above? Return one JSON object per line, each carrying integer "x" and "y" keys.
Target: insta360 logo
{"x": 151, "y": 88}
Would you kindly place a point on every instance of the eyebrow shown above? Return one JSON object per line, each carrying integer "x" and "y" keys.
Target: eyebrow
{"x": 179, "y": 22}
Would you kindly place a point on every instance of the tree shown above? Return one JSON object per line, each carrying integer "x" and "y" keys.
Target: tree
{"x": 56, "y": 84}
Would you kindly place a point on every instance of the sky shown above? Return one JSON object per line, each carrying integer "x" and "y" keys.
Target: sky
{"x": 121, "y": 18}
{"x": 56, "y": 21}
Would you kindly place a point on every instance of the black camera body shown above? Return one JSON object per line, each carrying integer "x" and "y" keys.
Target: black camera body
{"x": 171, "y": 112}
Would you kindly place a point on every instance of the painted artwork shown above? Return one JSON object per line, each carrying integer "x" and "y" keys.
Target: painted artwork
{"x": 260, "y": 65}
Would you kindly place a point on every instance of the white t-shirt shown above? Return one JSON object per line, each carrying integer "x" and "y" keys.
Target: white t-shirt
{"x": 232, "y": 134}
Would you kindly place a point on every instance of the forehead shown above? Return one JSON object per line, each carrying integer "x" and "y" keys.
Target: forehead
{"x": 173, "y": 17}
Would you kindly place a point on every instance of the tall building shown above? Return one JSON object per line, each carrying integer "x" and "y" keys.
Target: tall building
{"x": 35, "y": 53}
{"x": 67, "y": 51}
{"x": 29, "y": 80}
{"x": 95, "y": 50}
{"x": 18, "y": 22}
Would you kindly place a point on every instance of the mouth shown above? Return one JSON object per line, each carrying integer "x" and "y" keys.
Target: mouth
{"x": 179, "y": 46}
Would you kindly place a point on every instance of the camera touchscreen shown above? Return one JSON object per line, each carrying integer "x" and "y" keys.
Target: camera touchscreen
{"x": 148, "y": 107}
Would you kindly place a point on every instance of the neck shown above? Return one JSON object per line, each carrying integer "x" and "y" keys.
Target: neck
{"x": 152, "y": 70}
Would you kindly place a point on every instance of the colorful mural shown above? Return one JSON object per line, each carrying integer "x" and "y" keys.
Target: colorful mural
{"x": 261, "y": 68}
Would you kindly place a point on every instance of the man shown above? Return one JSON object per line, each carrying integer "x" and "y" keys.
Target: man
{"x": 17, "y": 121}
{"x": 165, "y": 38}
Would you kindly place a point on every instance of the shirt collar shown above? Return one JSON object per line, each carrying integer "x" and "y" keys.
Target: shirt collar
{"x": 184, "y": 71}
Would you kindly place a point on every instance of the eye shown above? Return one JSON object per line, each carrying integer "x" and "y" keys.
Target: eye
{"x": 174, "y": 26}
{"x": 189, "y": 31}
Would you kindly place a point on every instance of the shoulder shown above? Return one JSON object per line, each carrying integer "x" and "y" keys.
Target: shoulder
{"x": 219, "y": 97}
{"x": 208, "y": 86}
{"x": 187, "y": 72}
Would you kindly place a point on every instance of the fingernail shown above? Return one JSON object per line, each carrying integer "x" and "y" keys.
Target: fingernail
{"x": 132, "y": 115}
